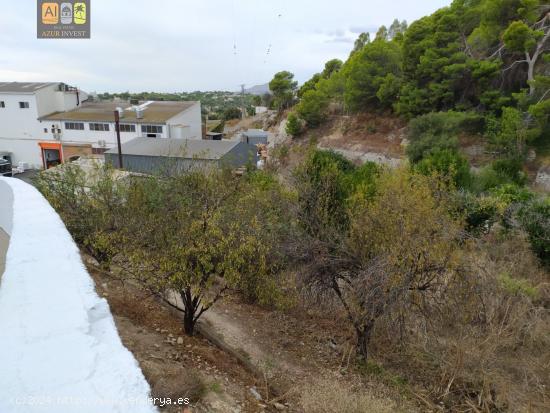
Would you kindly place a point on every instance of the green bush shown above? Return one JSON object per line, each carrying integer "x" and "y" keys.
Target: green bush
{"x": 498, "y": 173}
{"x": 535, "y": 220}
{"x": 293, "y": 125}
{"x": 438, "y": 131}
{"x": 517, "y": 286}
{"x": 479, "y": 213}
{"x": 448, "y": 163}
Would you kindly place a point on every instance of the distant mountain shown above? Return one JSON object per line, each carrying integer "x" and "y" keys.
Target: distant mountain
{"x": 258, "y": 90}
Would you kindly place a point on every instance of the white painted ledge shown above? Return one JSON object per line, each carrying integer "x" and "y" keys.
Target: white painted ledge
{"x": 59, "y": 347}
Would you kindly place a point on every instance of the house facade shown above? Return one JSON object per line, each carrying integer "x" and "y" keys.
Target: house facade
{"x": 43, "y": 128}
{"x": 21, "y": 107}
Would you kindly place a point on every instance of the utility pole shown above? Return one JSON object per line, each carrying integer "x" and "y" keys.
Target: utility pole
{"x": 117, "y": 129}
{"x": 242, "y": 100}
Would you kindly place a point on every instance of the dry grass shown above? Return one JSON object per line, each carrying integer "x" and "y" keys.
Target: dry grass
{"x": 330, "y": 396}
{"x": 487, "y": 348}
{"x": 175, "y": 385}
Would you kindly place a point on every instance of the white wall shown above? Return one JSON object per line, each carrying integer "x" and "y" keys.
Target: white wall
{"x": 191, "y": 121}
{"x": 20, "y": 129}
{"x": 58, "y": 342}
{"x": 6, "y": 207}
{"x": 93, "y": 137}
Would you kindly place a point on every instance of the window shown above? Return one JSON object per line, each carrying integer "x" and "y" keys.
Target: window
{"x": 151, "y": 129}
{"x": 74, "y": 126}
{"x": 23, "y": 105}
{"x": 103, "y": 127}
{"x": 45, "y": 130}
{"x": 127, "y": 128}
{"x": 2, "y": 104}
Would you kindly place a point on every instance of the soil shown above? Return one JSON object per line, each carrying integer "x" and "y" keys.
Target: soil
{"x": 295, "y": 348}
{"x": 364, "y": 133}
{"x": 291, "y": 349}
{"x": 192, "y": 367}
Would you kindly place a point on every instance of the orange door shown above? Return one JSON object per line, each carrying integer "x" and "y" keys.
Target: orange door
{"x": 52, "y": 155}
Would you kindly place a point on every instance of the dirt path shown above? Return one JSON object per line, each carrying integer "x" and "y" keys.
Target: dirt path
{"x": 176, "y": 365}
{"x": 294, "y": 350}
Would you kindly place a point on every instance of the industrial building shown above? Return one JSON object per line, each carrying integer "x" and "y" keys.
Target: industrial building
{"x": 174, "y": 156}
{"x": 44, "y": 124}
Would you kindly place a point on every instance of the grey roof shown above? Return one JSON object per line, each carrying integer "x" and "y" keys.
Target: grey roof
{"x": 23, "y": 87}
{"x": 155, "y": 112}
{"x": 176, "y": 148}
{"x": 255, "y": 133}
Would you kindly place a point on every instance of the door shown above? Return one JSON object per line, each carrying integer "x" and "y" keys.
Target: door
{"x": 51, "y": 154}
{"x": 52, "y": 157}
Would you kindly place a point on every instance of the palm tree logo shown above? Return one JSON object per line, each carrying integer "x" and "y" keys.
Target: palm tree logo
{"x": 80, "y": 13}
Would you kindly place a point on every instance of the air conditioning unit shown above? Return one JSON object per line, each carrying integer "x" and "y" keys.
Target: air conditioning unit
{"x": 102, "y": 143}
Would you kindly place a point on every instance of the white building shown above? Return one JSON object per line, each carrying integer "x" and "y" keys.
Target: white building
{"x": 21, "y": 106}
{"x": 49, "y": 122}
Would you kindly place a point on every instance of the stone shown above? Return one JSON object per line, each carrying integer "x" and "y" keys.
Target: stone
{"x": 255, "y": 393}
{"x": 279, "y": 406}
{"x": 180, "y": 340}
{"x": 543, "y": 179}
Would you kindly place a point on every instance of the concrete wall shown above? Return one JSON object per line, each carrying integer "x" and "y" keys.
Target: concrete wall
{"x": 58, "y": 340}
{"x": 20, "y": 129}
{"x": 6, "y": 206}
{"x": 190, "y": 120}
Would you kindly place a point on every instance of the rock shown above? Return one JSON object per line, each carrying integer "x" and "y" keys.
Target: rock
{"x": 255, "y": 393}
{"x": 180, "y": 340}
{"x": 543, "y": 179}
{"x": 279, "y": 406}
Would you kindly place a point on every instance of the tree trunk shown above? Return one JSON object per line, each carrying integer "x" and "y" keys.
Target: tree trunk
{"x": 363, "y": 339}
{"x": 189, "y": 323}
{"x": 190, "y": 306}
{"x": 530, "y": 72}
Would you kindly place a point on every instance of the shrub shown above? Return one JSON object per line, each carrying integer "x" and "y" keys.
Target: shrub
{"x": 312, "y": 108}
{"x": 500, "y": 172}
{"x": 232, "y": 113}
{"x": 293, "y": 125}
{"x": 479, "y": 212}
{"x": 517, "y": 286}
{"x": 448, "y": 163}
{"x": 438, "y": 131}
{"x": 535, "y": 220}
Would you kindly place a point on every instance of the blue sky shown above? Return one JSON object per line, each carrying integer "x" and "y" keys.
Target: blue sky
{"x": 182, "y": 45}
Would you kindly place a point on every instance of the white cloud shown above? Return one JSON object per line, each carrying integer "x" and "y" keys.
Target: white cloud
{"x": 171, "y": 45}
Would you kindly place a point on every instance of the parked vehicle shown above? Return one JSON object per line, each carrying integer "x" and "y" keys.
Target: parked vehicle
{"x": 5, "y": 167}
